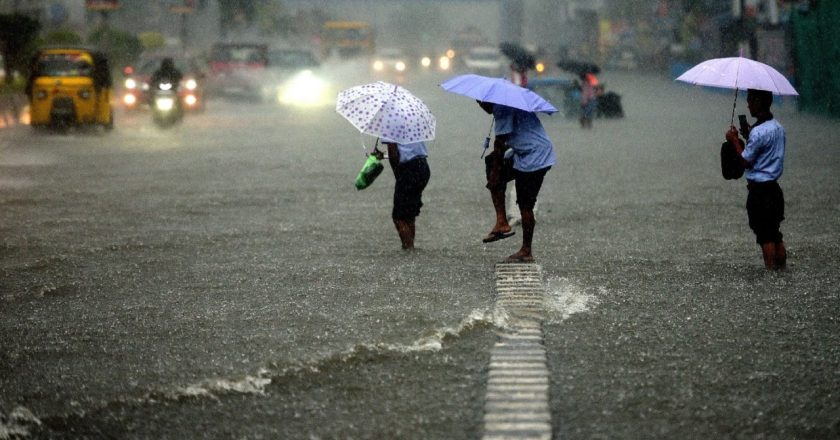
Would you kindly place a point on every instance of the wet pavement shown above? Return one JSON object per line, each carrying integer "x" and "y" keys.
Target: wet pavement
{"x": 223, "y": 279}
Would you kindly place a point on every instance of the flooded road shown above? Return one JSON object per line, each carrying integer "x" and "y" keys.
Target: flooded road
{"x": 224, "y": 279}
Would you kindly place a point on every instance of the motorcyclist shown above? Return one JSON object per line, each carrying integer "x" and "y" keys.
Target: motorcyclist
{"x": 167, "y": 72}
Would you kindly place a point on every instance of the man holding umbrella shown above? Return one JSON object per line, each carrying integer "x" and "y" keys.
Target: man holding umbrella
{"x": 518, "y": 131}
{"x": 764, "y": 154}
{"x": 763, "y": 157}
{"x": 533, "y": 155}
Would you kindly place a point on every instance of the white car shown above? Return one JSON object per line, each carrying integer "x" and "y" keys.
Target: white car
{"x": 485, "y": 60}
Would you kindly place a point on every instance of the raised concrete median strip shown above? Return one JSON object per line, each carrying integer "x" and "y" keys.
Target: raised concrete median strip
{"x": 516, "y": 401}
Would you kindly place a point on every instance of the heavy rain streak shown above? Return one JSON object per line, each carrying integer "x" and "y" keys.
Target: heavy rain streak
{"x": 419, "y": 219}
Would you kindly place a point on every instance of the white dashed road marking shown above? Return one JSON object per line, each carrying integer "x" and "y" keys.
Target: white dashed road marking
{"x": 516, "y": 402}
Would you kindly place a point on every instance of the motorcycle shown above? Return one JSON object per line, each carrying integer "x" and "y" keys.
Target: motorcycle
{"x": 166, "y": 105}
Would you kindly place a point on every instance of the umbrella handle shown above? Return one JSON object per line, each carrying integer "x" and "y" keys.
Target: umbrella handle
{"x": 732, "y": 119}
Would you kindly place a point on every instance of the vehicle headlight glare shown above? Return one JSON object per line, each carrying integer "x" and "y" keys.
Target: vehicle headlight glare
{"x": 190, "y": 100}
{"x": 305, "y": 89}
{"x": 129, "y": 99}
{"x": 165, "y": 104}
{"x": 191, "y": 84}
{"x": 444, "y": 62}
{"x": 400, "y": 66}
{"x": 426, "y": 62}
{"x": 130, "y": 83}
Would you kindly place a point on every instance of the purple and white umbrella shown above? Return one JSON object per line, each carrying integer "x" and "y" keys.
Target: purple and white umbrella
{"x": 738, "y": 73}
{"x": 387, "y": 111}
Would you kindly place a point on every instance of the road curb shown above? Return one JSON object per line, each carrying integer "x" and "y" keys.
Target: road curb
{"x": 516, "y": 400}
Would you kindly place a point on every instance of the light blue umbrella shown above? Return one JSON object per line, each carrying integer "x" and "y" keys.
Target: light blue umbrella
{"x": 497, "y": 91}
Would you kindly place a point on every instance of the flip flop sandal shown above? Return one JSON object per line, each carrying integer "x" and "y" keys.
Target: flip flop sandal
{"x": 498, "y": 235}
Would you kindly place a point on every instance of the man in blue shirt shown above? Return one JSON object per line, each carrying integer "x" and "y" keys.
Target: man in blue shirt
{"x": 533, "y": 155}
{"x": 763, "y": 158}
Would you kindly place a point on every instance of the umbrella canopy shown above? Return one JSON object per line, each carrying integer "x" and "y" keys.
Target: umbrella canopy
{"x": 497, "y": 91}
{"x": 738, "y": 73}
{"x": 579, "y": 67}
{"x": 518, "y": 55}
{"x": 387, "y": 111}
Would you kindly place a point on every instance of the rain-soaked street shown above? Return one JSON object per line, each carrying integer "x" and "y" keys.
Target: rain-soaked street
{"x": 223, "y": 279}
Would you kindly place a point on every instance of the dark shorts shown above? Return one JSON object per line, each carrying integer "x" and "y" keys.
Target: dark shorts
{"x": 766, "y": 210}
{"x": 411, "y": 179}
{"x": 528, "y": 184}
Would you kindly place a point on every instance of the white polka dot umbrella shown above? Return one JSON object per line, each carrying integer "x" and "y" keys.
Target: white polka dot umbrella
{"x": 387, "y": 111}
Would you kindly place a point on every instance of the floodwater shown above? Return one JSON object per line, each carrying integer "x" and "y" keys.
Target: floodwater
{"x": 224, "y": 279}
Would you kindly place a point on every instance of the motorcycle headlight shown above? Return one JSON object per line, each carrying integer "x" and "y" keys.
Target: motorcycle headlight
{"x": 191, "y": 84}
{"x": 165, "y": 104}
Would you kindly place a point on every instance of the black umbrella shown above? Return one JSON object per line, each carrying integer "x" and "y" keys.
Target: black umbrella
{"x": 520, "y": 56}
{"x": 579, "y": 67}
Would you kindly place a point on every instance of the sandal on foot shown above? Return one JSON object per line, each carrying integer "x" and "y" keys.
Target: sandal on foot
{"x": 497, "y": 235}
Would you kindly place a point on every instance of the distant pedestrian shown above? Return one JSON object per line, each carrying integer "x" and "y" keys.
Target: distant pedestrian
{"x": 519, "y": 74}
{"x": 588, "y": 98}
{"x": 411, "y": 174}
{"x": 533, "y": 155}
{"x": 763, "y": 157}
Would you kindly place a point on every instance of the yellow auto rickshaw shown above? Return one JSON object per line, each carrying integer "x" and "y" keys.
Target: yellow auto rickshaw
{"x": 70, "y": 86}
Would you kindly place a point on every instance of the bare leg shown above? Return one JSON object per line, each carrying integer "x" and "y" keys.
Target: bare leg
{"x": 768, "y": 251}
{"x": 498, "y": 197}
{"x": 781, "y": 256}
{"x": 529, "y": 222}
{"x": 405, "y": 229}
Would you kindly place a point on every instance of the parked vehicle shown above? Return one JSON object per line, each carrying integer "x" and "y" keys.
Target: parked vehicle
{"x": 70, "y": 86}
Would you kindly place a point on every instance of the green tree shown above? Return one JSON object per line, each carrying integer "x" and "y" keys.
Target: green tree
{"x": 122, "y": 47}
{"x": 18, "y": 34}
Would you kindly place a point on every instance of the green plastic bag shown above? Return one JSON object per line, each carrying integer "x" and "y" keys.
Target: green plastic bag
{"x": 370, "y": 171}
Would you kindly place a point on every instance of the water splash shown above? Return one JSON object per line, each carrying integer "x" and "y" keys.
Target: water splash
{"x": 257, "y": 383}
{"x": 564, "y": 298}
